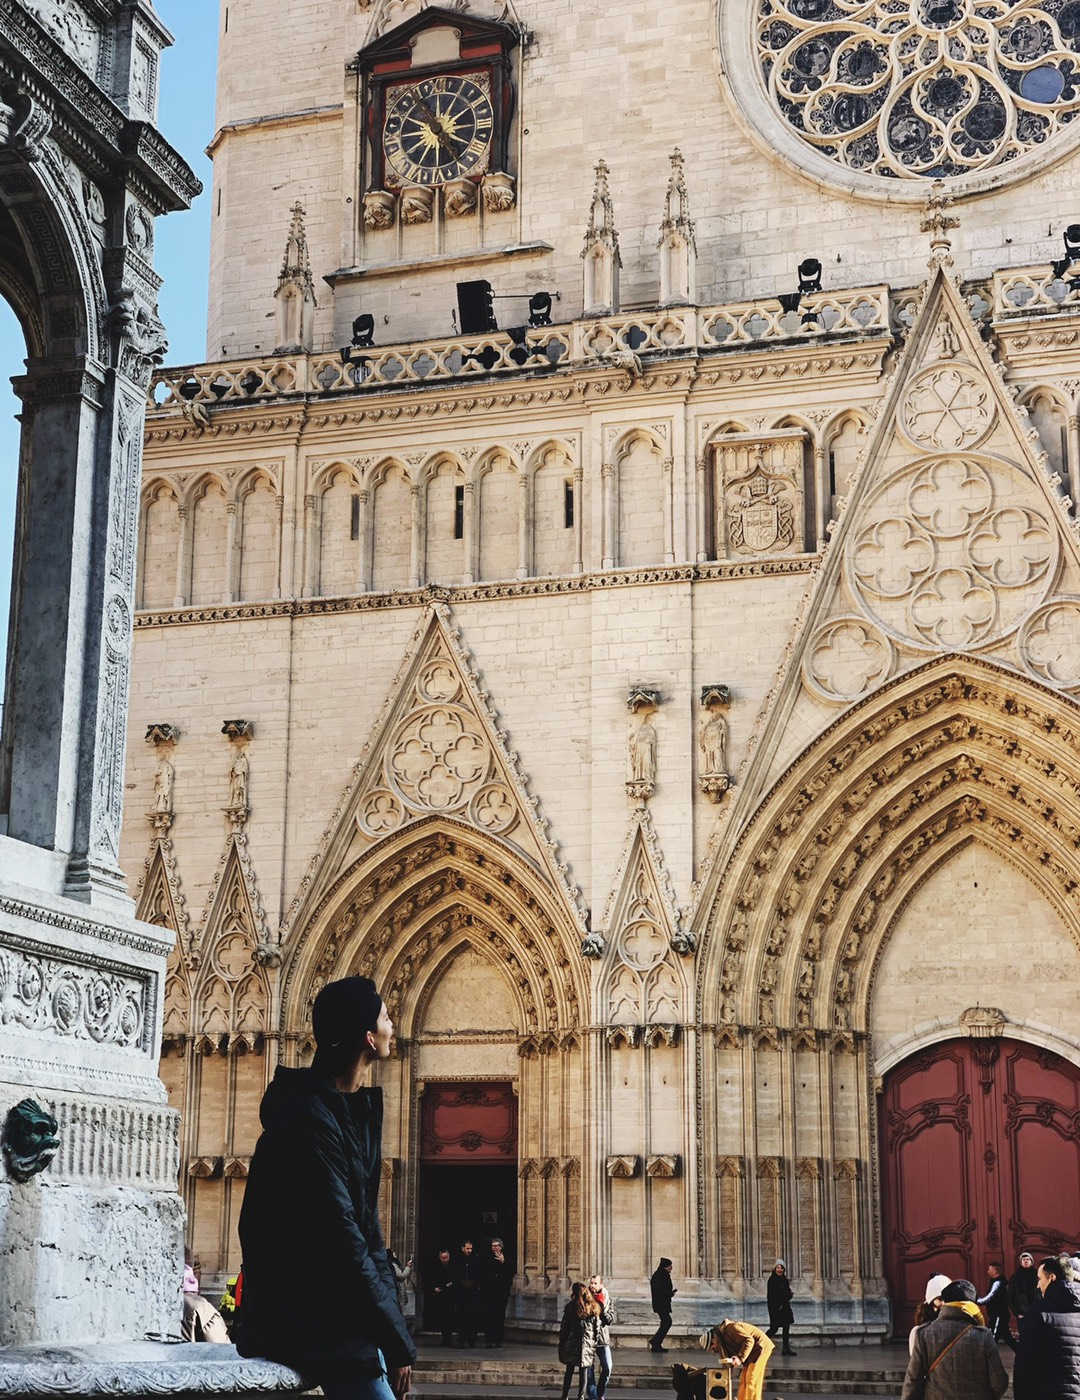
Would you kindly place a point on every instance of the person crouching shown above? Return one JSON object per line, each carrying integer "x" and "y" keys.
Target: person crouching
{"x": 744, "y": 1345}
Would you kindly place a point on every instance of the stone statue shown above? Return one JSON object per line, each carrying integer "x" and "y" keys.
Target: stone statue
{"x": 642, "y": 751}
{"x": 238, "y": 780}
{"x": 713, "y": 740}
{"x": 163, "y": 786}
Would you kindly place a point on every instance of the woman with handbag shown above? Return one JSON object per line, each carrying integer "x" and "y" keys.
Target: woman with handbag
{"x": 954, "y": 1357}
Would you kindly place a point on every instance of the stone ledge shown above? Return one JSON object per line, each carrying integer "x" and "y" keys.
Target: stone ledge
{"x": 135, "y": 1369}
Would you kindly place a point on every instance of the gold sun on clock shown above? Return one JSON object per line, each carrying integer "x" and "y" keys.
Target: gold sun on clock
{"x": 437, "y": 130}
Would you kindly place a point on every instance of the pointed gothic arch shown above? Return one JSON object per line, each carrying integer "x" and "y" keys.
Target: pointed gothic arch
{"x": 958, "y": 748}
{"x": 417, "y": 888}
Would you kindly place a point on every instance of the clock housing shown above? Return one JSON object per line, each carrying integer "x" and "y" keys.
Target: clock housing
{"x": 438, "y": 111}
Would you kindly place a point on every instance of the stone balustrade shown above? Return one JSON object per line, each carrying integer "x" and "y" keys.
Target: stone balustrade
{"x": 1033, "y": 291}
{"x": 623, "y": 341}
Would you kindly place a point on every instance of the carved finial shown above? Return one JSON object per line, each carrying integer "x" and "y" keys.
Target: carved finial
{"x": 678, "y": 248}
{"x": 601, "y": 250}
{"x": 295, "y": 294}
{"x": 937, "y": 224}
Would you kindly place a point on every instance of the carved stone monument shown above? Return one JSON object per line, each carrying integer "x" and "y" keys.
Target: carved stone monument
{"x": 90, "y": 1222}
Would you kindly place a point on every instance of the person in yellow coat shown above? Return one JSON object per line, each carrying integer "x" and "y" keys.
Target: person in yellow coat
{"x": 743, "y": 1345}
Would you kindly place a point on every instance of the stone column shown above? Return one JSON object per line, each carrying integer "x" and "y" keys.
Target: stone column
{"x": 524, "y": 567}
{"x": 363, "y": 542}
{"x": 822, "y": 500}
{"x": 183, "y": 555}
{"x": 701, "y": 504}
{"x": 1072, "y": 456}
{"x": 669, "y": 511}
{"x": 579, "y": 524}
{"x": 232, "y": 552}
{"x": 311, "y": 546}
{"x": 416, "y": 550}
{"x": 471, "y": 533}
{"x": 609, "y": 548}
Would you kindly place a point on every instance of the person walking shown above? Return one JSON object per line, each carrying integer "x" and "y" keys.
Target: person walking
{"x": 996, "y": 1302}
{"x": 1048, "y": 1352}
{"x": 495, "y": 1287}
{"x": 955, "y": 1358}
{"x": 468, "y": 1297}
{"x": 311, "y": 1212}
{"x": 439, "y": 1298}
{"x": 1024, "y": 1295}
{"x": 579, "y": 1336}
{"x": 781, "y": 1317}
{"x": 608, "y": 1316}
{"x": 662, "y": 1294}
{"x": 744, "y": 1345}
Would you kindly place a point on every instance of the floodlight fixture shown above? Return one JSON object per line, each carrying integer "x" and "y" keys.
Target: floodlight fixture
{"x": 540, "y": 309}
{"x": 809, "y": 275}
{"x": 1071, "y": 239}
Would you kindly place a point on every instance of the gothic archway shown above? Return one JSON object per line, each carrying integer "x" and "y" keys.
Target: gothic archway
{"x": 958, "y": 752}
{"x": 404, "y": 914}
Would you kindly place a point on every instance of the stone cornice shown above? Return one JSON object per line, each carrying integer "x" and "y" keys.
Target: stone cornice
{"x": 481, "y": 592}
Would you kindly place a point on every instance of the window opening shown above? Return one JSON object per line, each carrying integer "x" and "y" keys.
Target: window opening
{"x": 459, "y": 512}
{"x": 568, "y": 505}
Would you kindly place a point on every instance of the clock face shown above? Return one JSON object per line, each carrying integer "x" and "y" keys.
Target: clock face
{"x": 437, "y": 130}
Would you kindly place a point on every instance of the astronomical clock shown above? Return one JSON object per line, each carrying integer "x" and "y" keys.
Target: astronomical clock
{"x": 438, "y": 109}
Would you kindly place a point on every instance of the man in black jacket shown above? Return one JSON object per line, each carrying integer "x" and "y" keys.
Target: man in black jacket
{"x": 310, "y": 1213}
{"x": 1048, "y": 1353}
{"x": 662, "y": 1294}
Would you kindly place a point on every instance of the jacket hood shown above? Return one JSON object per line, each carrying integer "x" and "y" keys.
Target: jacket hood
{"x": 1062, "y": 1297}
{"x": 291, "y": 1091}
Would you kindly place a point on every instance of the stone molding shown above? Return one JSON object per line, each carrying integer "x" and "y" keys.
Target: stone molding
{"x": 72, "y": 998}
{"x": 478, "y": 592}
{"x": 140, "y": 1369}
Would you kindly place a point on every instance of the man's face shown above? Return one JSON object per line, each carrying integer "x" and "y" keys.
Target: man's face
{"x": 993, "y": 1271}
{"x": 444, "y": 1256}
{"x": 466, "y": 1248}
{"x": 379, "y": 1039}
{"x": 596, "y": 1283}
{"x": 1043, "y": 1279}
{"x": 1026, "y": 1261}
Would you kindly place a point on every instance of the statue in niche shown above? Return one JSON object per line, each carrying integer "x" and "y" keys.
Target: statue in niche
{"x": 713, "y": 740}
{"x": 163, "y": 786}
{"x": 641, "y": 756}
{"x": 238, "y": 779}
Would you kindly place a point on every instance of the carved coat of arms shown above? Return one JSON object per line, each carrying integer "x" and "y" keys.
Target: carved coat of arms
{"x": 761, "y": 516}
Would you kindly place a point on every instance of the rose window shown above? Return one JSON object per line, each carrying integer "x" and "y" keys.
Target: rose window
{"x": 921, "y": 88}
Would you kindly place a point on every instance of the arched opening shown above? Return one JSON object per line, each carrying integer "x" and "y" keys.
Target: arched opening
{"x": 980, "y": 1161}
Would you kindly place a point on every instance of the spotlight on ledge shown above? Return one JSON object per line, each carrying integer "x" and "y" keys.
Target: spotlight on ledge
{"x": 540, "y": 309}
{"x": 363, "y": 338}
{"x": 809, "y": 281}
{"x": 1071, "y": 240}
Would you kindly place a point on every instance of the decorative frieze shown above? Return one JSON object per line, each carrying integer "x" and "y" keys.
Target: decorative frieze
{"x": 61, "y": 998}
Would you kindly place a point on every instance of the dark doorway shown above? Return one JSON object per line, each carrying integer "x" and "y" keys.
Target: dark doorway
{"x": 980, "y": 1159}
{"x": 472, "y": 1202}
{"x": 468, "y": 1168}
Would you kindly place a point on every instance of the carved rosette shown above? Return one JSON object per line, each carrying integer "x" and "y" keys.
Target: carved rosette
{"x": 1050, "y": 644}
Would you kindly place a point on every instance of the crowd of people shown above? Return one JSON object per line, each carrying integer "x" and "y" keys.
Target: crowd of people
{"x": 953, "y": 1354}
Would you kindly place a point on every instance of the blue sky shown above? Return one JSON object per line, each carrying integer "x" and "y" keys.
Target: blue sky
{"x": 186, "y": 116}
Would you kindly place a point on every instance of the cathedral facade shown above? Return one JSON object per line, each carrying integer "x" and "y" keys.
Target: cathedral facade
{"x": 614, "y": 581}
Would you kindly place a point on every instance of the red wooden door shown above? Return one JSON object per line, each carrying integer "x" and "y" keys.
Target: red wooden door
{"x": 981, "y": 1158}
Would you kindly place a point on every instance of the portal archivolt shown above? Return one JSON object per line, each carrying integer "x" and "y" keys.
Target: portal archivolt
{"x": 958, "y": 749}
{"x": 397, "y": 914}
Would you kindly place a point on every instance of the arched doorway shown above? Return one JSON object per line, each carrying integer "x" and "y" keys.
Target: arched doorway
{"x": 981, "y": 1158}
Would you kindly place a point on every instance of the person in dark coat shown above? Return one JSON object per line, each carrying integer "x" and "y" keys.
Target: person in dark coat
{"x": 781, "y": 1317}
{"x": 996, "y": 1302}
{"x": 498, "y": 1276}
{"x": 468, "y": 1296}
{"x": 1048, "y": 1353}
{"x": 1024, "y": 1295}
{"x": 439, "y": 1297}
{"x": 955, "y": 1358}
{"x": 311, "y": 1212}
{"x": 662, "y": 1294}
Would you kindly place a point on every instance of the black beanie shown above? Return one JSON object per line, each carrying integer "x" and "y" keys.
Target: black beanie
{"x": 344, "y": 1012}
{"x": 959, "y": 1291}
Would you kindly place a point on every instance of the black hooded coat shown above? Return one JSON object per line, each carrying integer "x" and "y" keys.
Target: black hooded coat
{"x": 1048, "y": 1353}
{"x": 310, "y": 1216}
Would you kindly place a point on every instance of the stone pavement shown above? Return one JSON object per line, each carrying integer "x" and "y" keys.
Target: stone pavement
{"x": 827, "y": 1373}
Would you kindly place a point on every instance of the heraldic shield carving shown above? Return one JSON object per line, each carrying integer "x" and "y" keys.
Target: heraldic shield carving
{"x": 761, "y": 493}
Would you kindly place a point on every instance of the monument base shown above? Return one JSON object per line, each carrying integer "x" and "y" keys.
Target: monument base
{"x": 141, "y": 1369}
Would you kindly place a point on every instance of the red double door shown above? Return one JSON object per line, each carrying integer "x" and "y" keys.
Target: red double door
{"x": 981, "y": 1159}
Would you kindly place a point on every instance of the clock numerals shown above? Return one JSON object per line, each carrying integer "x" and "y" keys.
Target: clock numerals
{"x": 438, "y": 130}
